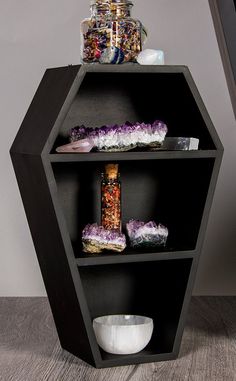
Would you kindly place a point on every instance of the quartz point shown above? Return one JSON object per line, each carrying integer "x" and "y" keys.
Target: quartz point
{"x": 180, "y": 144}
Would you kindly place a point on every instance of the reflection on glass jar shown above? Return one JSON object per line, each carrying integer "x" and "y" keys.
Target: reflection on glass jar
{"x": 111, "y": 35}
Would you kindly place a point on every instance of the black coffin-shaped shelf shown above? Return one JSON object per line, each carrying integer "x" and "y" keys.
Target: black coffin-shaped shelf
{"x": 61, "y": 194}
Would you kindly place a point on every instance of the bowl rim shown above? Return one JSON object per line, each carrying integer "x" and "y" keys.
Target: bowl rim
{"x": 147, "y": 322}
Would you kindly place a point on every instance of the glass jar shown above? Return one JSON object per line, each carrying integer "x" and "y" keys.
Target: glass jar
{"x": 111, "y": 35}
{"x": 111, "y": 198}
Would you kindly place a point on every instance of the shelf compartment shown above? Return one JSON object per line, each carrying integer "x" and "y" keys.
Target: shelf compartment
{"x": 115, "y": 98}
{"x": 170, "y": 192}
{"x": 153, "y": 289}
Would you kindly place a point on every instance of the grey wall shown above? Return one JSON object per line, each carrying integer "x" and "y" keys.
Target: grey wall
{"x": 35, "y": 35}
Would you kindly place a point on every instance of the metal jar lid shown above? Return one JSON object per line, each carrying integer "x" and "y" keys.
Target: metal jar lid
{"x": 107, "y": 2}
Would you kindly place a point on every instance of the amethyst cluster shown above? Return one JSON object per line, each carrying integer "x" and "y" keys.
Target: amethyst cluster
{"x": 122, "y": 137}
{"x": 148, "y": 234}
{"x": 95, "y": 239}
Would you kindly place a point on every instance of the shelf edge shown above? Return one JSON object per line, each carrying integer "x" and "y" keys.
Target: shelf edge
{"x": 121, "y": 156}
{"x": 130, "y": 258}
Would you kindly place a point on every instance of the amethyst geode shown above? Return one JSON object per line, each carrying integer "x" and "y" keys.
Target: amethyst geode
{"x": 122, "y": 137}
{"x": 148, "y": 234}
{"x": 95, "y": 239}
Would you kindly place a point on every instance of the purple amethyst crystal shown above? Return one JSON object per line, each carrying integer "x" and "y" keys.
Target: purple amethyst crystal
{"x": 122, "y": 137}
{"x": 149, "y": 234}
{"x": 78, "y": 133}
{"x": 95, "y": 239}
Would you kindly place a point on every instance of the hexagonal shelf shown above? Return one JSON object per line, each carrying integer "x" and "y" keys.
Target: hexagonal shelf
{"x": 61, "y": 193}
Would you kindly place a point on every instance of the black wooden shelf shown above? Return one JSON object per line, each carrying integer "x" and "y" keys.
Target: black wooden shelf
{"x": 129, "y": 256}
{"x": 61, "y": 194}
{"x": 120, "y": 156}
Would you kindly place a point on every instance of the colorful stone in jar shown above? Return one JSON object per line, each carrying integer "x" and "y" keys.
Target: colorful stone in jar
{"x": 112, "y": 55}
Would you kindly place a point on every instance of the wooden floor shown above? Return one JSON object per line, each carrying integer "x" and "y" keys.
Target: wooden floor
{"x": 30, "y": 351}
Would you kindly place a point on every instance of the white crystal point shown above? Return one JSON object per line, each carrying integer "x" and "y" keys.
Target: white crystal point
{"x": 151, "y": 57}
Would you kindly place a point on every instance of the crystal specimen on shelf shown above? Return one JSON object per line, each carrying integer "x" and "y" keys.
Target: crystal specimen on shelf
{"x": 95, "y": 239}
{"x": 118, "y": 137}
{"x": 180, "y": 144}
{"x": 148, "y": 234}
{"x": 151, "y": 57}
{"x": 83, "y": 145}
{"x": 115, "y": 138}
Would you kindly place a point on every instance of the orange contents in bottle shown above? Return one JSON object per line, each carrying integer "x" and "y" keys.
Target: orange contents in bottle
{"x": 111, "y": 198}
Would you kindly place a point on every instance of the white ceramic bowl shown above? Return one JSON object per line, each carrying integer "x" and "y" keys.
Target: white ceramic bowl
{"x": 123, "y": 334}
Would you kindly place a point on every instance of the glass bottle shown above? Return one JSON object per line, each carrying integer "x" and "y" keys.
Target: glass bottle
{"x": 111, "y": 35}
{"x": 111, "y": 198}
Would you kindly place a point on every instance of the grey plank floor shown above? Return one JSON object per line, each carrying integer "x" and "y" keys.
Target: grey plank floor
{"x": 30, "y": 350}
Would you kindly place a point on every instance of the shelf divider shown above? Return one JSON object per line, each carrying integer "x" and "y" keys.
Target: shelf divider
{"x": 129, "y": 258}
{"x": 120, "y": 156}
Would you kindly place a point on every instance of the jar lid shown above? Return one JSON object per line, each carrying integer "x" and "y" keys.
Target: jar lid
{"x": 122, "y": 1}
{"x": 106, "y": 2}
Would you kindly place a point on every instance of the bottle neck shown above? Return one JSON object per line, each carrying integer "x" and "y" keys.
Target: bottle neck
{"x": 110, "y": 179}
{"x": 121, "y": 10}
{"x": 112, "y": 10}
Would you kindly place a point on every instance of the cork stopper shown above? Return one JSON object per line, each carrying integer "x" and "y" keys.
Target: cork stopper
{"x": 111, "y": 171}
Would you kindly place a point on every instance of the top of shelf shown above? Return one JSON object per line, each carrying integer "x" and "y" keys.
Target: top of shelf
{"x": 118, "y": 156}
{"x": 133, "y": 67}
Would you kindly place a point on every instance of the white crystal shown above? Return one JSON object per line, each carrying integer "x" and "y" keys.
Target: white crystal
{"x": 151, "y": 57}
